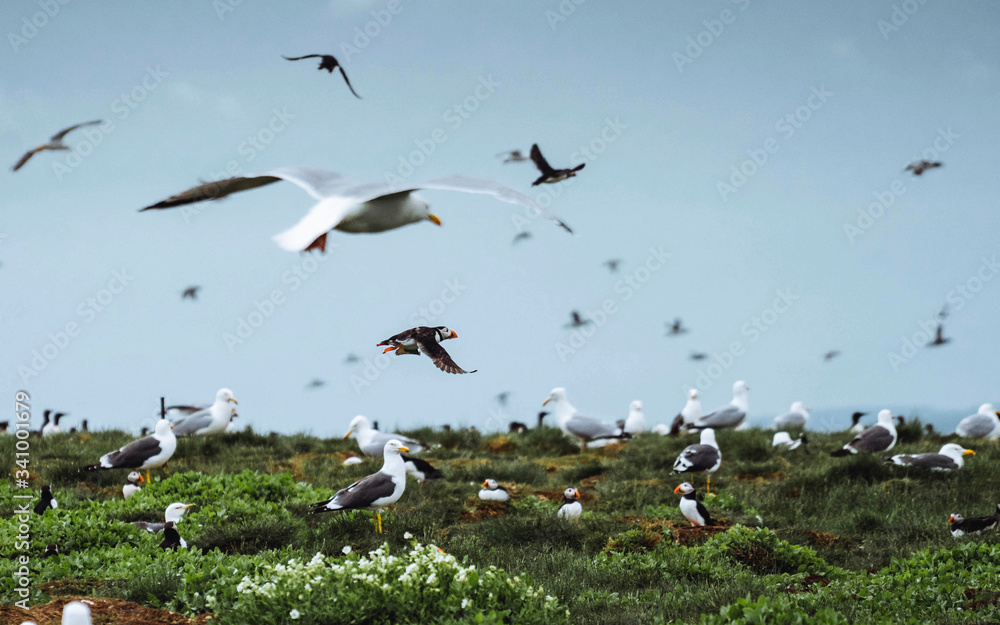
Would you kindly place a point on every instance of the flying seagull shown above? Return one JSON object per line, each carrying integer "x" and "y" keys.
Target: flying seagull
{"x": 372, "y": 442}
{"x": 375, "y": 491}
{"x": 948, "y": 459}
{"x": 329, "y": 63}
{"x": 428, "y": 341}
{"x": 521, "y": 236}
{"x": 691, "y": 508}
{"x": 55, "y": 143}
{"x": 939, "y": 338}
{"x": 698, "y": 356}
{"x": 576, "y": 320}
{"x": 830, "y": 355}
{"x": 676, "y": 328}
{"x": 571, "y": 508}
{"x": 920, "y": 167}
{"x": 190, "y": 293}
{"x": 513, "y": 156}
{"x": 350, "y": 206}
{"x": 146, "y": 453}
{"x": 315, "y": 384}
{"x": 879, "y": 437}
{"x": 550, "y": 175}
{"x": 351, "y": 359}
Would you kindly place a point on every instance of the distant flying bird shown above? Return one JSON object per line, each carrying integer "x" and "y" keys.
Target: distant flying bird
{"x": 920, "y": 167}
{"x": 830, "y": 355}
{"x": 698, "y": 356}
{"x": 190, "y": 293}
{"x": 315, "y": 383}
{"x": 521, "y": 236}
{"x": 428, "y": 341}
{"x": 350, "y": 206}
{"x": 577, "y": 321}
{"x": 612, "y": 264}
{"x": 943, "y": 313}
{"x": 351, "y": 359}
{"x": 939, "y": 338}
{"x": 676, "y": 328}
{"x": 513, "y": 156}
{"x": 329, "y": 63}
{"x": 503, "y": 397}
{"x": 55, "y": 143}
{"x": 550, "y": 175}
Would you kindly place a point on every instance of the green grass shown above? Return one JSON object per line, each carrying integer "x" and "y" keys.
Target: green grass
{"x": 847, "y": 538}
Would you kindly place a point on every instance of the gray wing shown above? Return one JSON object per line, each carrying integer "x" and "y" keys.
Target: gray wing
{"x": 875, "y": 438}
{"x": 134, "y": 454}
{"x": 364, "y": 492}
{"x": 152, "y": 528}
{"x": 976, "y": 426}
{"x": 927, "y": 461}
{"x": 189, "y": 425}
{"x": 65, "y": 131}
{"x": 589, "y": 428}
{"x": 175, "y": 413}
{"x": 491, "y": 187}
{"x": 696, "y": 458}
{"x": 727, "y": 417}
{"x": 213, "y": 191}
{"x": 789, "y": 420}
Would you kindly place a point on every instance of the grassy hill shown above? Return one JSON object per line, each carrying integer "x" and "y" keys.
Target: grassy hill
{"x": 805, "y": 538}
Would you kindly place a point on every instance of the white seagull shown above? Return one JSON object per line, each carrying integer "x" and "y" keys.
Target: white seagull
{"x": 636, "y": 422}
{"x": 731, "y": 415}
{"x": 146, "y": 453}
{"x": 879, "y": 437}
{"x": 984, "y": 424}
{"x": 172, "y": 514}
{"x": 204, "y": 420}
{"x": 350, "y": 206}
{"x": 784, "y": 439}
{"x": 704, "y": 456}
{"x": 948, "y": 458}
{"x": 375, "y": 491}
{"x": 571, "y": 508}
{"x": 585, "y": 428}
{"x": 797, "y": 417}
{"x": 372, "y": 442}
{"x": 55, "y": 143}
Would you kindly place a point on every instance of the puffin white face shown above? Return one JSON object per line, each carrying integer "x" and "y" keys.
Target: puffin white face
{"x": 225, "y": 395}
{"x": 135, "y": 477}
{"x": 885, "y": 416}
{"x": 443, "y": 334}
{"x": 571, "y": 493}
{"x": 394, "y": 447}
{"x": 490, "y": 485}
{"x": 693, "y": 393}
{"x": 175, "y": 511}
{"x": 358, "y": 424}
{"x": 557, "y": 394}
{"x": 955, "y": 450}
{"x": 163, "y": 427}
{"x": 684, "y": 489}
{"x": 955, "y": 518}
{"x": 740, "y": 388}
{"x": 635, "y": 406}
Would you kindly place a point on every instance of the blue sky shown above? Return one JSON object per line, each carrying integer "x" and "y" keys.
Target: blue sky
{"x": 826, "y": 244}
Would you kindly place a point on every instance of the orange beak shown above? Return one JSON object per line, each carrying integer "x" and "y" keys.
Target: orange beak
{"x": 677, "y": 490}
{"x": 486, "y": 484}
{"x": 576, "y": 495}
{"x": 454, "y": 334}
{"x": 434, "y": 220}
{"x": 951, "y": 519}
{"x": 388, "y": 349}
{"x": 141, "y": 479}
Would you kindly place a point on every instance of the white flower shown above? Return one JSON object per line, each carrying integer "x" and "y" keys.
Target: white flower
{"x": 346, "y": 549}
{"x": 465, "y": 602}
{"x": 407, "y": 536}
{"x": 294, "y": 614}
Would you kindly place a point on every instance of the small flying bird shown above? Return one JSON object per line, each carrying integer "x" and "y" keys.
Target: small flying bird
{"x": 939, "y": 338}
{"x": 513, "y": 156}
{"x": 612, "y": 264}
{"x": 315, "y": 384}
{"x": 374, "y": 492}
{"x": 830, "y": 355}
{"x": 46, "y": 502}
{"x": 55, "y": 143}
{"x": 171, "y": 538}
{"x": 329, "y": 63}
{"x": 698, "y": 356}
{"x": 943, "y": 313}
{"x": 491, "y": 491}
{"x": 961, "y": 526}
{"x": 351, "y": 359}
{"x": 426, "y": 340}
{"x": 571, "y": 508}
{"x": 132, "y": 487}
{"x": 550, "y": 175}
{"x": 190, "y": 293}
{"x": 51, "y": 549}
{"x": 521, "y": 236}
{"x": 676, "y": 328}
{"x": 503, "y": 397}
{"x": 691, "y": 508}
{"x": 577, "y": 321}
{"x": 920, "y": 167}
{"x": 879, "y": 437}
{"x": 948, "y": 459}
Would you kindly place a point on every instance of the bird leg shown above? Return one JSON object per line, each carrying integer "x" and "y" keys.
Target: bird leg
{"x": 708, "y": 485}
{"x": 379, "y": 521}
{"x": 147, "y": 476}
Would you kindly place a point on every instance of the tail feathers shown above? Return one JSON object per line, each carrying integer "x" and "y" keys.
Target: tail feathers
{"x": 804, "y": 439}
{"x": 322, "y": 506}
{"x": 93, "y": 467}
{"x": 841, "y": 453}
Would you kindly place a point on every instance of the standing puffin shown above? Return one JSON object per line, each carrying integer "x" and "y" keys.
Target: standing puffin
{"x": 691, "y": 508}
{"x": 132, "y": 486}
{"x": 571, "y": 508}
{"x": 426, "y": 340}
{"x": 47, "y": 501}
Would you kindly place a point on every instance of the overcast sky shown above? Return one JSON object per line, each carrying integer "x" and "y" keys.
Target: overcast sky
{"x": 822, "y": 242}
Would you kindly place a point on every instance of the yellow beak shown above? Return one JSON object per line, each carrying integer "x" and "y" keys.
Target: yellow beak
{"x": 233, "y": 399}
{"x": 348, "y": 435}
{"x": 434, "y": 219}
{"x": 968, "y": 452}
{"x": 404, "y": 449}
{"x": 190, "y": 505}
{"x": 546, "y": 401}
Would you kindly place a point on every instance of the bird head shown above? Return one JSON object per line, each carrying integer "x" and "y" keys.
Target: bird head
{"x": 955, "y": 518}
{"x": 394, "y": 447}
{"x": 444, "y": 333}
{"x": 163, "y": 427}
{"x": 571, "y": 493}
{"x": 225, "y": 395}
{"x": 684, "y": 489}
{"x": 693, "y": 393}
{"x": 135, "y": 477}
{"x": 635, "y": 406}
{"x": 358, "y": 424}
{"x": 740, "y": 388}
{"x": 490, "y": 484}
{"x": 556, "y": 395}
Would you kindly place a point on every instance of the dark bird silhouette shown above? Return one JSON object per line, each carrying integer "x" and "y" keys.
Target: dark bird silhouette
{"x": 329, "y": 63}
{"x": 55, "y": 143}
{"x": 513, "y": 156}
{"x": 943, "y": 313}
{"x": 577, "y": 321}
{"x": 939, "y": 338}
{"x": 830, "y": 355}
{"x": 920, "y": 167}
{"x": 351, "y": 359}
{"x": 190, "y": 293}
{"x": 960, "y": 526}
{"x": 46, "y": 502}
{"x": 423, "y": 339}
{"x": 541, "y": 416}
{"x": 698, "y": 356}
{"x": 521, "y": 236}
{"x": 315, "y": 384}
{"x": 516, "y": 427}
{"x": 612, "y": 264}
{"x": 550, "y": 175}
{"x": 676, "y": 328}
{"x": 503, "y": 397}
{"x": 51, "y": 549}
{"x": 171, "y": 538}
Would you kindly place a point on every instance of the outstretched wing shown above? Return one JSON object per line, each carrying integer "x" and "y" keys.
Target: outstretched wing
{"x": 497, "y": 189}
{"x": 27, "y": 156}
{"x": 348, "y": 81}
{"x": 65, "y": 131}
{"x": 540, "y": 162}
{"x": 440, "y": 357}
{"x": 299, "y": 58}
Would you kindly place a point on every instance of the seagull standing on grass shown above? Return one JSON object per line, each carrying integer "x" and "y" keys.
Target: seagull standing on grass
{"x": 372, "y": 442}
{"x": 984, "y": 424}
{"x": 730, "y": 415}
{"x": 636, "y": 422}
{"x": 146, "y": 453}
{"x": 374, "y": 492}
{"x": 704, "y": 456}
{"x": 205, "y": 420}
{"x": 948, "y": 459}
{"x": 350, "y": 206}
{"x": 585, "y": 428}
{"x": 879, "y": 437}
{"x": 797, "y": 417}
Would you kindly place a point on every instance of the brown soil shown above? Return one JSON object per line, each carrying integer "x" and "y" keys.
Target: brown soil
{"x": 103, "y": 612}
{"x": 482, "y": 510}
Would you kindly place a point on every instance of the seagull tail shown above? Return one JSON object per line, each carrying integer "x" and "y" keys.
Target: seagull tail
{"x": 93, "y": 467}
